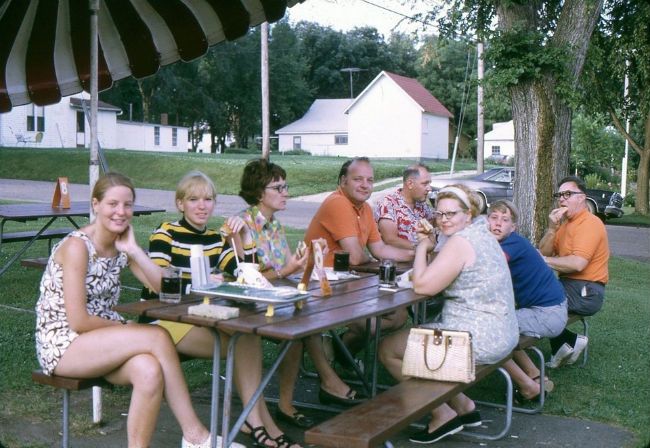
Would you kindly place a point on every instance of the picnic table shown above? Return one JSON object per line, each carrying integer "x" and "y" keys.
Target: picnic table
{"x": 32, "y": 211}
{"x": 351, "y": 300}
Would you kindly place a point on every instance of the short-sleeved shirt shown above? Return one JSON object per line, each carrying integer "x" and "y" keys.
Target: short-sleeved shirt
{"x": 533, "y": 281}
{"x": 271, "y": 247}
{"x": 394, "y": 207}
{"x": 584, "y": 235}
{"x": 339, "y": 218}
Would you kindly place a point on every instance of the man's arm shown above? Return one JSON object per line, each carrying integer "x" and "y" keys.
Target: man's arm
{"x": 547, "y": 242}
{"x": 567, "y": 264}
{"x": 388, "y": 230}
{"x": 380, "y": 250}
{"x": 357, "y": 254}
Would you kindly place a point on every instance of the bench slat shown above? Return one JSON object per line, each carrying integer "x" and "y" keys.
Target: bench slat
{"x": 378, "y": 419}
{"x": 12, "y": 237}
{"x": 64, "y": 382}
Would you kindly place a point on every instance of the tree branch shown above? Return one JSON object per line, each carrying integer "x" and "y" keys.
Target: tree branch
{"x": 619, "y": 126}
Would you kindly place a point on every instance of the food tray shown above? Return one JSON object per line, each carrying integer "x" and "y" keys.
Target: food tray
{"x": 246, "y": 293}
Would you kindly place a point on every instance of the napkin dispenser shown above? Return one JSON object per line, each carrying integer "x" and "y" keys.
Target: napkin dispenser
{"x": 199, "y": 266}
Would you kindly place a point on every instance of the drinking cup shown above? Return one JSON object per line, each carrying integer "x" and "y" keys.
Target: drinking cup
{"x": 341, "y": 261}
{"x": 170, "y": 290}
{"x": 387, "y": 272}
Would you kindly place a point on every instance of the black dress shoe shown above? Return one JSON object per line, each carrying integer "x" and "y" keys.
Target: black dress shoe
{"x": 352, "y": 398}
{"x": 451, "y": 427}
{"x": 297, "y": 419}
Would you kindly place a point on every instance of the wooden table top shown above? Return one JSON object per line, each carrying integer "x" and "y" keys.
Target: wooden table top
{"x": 35, "y": 210}
{"x": 351, "y": 300}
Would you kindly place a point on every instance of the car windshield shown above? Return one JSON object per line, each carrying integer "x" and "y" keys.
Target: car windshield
{"x": 496, "y": 175}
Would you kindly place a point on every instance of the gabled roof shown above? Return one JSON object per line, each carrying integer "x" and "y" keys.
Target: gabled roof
{"x": 414, "y": 90}
{"x": 322, "y": 117}
{"x": 101, "y": 105}
{"x": 501, "y": 131}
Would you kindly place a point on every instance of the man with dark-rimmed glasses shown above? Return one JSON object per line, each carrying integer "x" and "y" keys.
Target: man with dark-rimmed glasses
{"x": 575, "y": 245}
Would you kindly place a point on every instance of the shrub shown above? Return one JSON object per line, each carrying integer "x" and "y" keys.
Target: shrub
{"x": 630, "y": 198}
{"x": 296, "y": 152}
{"x": 593, "y": 180}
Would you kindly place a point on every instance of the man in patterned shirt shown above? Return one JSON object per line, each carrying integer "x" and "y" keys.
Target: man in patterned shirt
{"x": 398, "y": 213}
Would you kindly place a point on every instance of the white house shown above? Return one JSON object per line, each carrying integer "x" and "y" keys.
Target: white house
{"x": 323, "y": 130}
{"x": 394, "y": 116}
{"x": 64, "y": 125}
{"x": 499, "y": 143}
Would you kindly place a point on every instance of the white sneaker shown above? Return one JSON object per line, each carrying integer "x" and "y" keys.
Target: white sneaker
{"x": 561, "y": 357}
{"x": 581, "y": 344}
{"x": 207, "y": 443}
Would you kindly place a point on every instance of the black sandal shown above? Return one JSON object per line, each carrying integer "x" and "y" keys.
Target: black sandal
{"x": 284, "y": 441}
{"x": 260, "y": 436}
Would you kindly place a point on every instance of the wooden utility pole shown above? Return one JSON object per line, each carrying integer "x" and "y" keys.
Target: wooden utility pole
{"x": 480, "y": 125}
{"x": 266, "y": 141}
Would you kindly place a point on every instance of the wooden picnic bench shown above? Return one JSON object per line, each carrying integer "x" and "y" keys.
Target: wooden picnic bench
{"x": 66, "y": 384}
{"x": 375, "y": 421}
{"x": 47, "y": 234}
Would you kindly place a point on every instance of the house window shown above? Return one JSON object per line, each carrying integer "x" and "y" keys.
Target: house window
{"x": 81, "y": 122}
{"x": 297, "y": 142}
{"x": 496, "y": 150}
{"x": 36, "y": 121}
{"x": 341, "y": 139}
{"x": 174, "y": 137}
{"x": 156, "y": 135}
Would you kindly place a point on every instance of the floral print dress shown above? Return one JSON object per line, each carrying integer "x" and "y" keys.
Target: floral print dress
{"x": 53, "y": 333}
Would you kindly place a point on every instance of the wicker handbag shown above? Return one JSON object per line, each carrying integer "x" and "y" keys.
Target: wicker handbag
{"x": 441, "y": 355}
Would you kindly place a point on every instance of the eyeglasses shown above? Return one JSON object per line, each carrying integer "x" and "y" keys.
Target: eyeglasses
{"x": 565, "y": 194}
{"x": 449, "y": 215}
{"x": 279, "y": 188}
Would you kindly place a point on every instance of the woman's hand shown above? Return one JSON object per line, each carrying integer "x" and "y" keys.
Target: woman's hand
{"x": 126, "y": 242}
{"x": 240, "y": 229}
{"x": 297, "y": 262}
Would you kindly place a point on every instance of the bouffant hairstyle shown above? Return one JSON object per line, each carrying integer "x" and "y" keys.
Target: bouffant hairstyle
{"x": 258, "y": 173}
{"x": 111, "y": 179}
{"x": 463, "y": 199}
{"x": 197, "y": 183}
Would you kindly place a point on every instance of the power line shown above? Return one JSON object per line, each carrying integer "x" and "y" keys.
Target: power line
{"x": 415, "y": 19}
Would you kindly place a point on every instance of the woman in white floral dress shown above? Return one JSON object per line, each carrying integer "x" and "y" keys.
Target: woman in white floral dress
{"x": 473, "y": 275}
{"x": 78, "y": 334}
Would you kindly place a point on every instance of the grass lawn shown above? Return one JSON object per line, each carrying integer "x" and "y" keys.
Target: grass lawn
{"x": 613, "y": 388}
{"x": 306, "y": 174}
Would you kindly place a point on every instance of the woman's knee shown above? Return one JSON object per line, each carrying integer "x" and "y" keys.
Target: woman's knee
{"x": 146, "y": 373}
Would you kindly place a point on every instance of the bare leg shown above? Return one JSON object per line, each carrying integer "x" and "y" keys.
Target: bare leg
{"x": 288, "y": 374}
{"x": 120, "y": 344}
{"x": 528, "y": 366}
{"x": 329, "y": 379}
{"x": 355, "y": 337}
{"x": 391, "y": 352}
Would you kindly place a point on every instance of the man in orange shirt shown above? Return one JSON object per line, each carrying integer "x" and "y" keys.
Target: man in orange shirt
{"x": 575, "y": 245}
{"x": 345, "y": 220}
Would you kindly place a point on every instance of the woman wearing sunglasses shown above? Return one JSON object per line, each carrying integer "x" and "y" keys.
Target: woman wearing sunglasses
{"x": 472, "y": 274}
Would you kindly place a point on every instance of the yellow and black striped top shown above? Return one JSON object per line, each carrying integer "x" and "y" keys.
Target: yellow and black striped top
{"x": 170, "y": 244}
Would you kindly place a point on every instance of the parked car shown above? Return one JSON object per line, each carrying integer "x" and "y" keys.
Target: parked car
{"x": 497, "y": 183}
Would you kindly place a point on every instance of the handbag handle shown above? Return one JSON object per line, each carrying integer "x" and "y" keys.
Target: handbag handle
{"x": 438, "y": 339}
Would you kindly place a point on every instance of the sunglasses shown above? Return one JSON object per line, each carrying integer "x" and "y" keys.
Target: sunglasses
{"x": 448, "y": 215}
{"x": 566, "y": 194}
{"x": 279, "y": 188}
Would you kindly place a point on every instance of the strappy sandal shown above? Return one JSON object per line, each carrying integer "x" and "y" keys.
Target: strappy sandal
{"x": 284, "y": 441}
{"x": 548, "y": 384}
{"x": 259, "y": 436}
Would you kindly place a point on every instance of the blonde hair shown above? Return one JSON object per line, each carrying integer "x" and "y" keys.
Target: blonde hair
{"x": 449, "y": 193}
{"x": 194, "y": 182}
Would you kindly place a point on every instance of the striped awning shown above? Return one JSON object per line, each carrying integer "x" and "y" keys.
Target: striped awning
{"x": 45, "y": 44}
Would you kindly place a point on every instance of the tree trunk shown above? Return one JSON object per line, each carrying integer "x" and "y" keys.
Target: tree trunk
{"x": 641, "y": 205}
{"x": 542, "y": 120}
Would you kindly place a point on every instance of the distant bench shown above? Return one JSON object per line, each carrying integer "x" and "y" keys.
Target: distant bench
{"x": 376, "y": 420}
{"x": 47, "y": 234}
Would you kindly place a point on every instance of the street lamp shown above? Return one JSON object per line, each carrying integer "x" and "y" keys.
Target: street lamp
{"x": 351, "y": 70}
